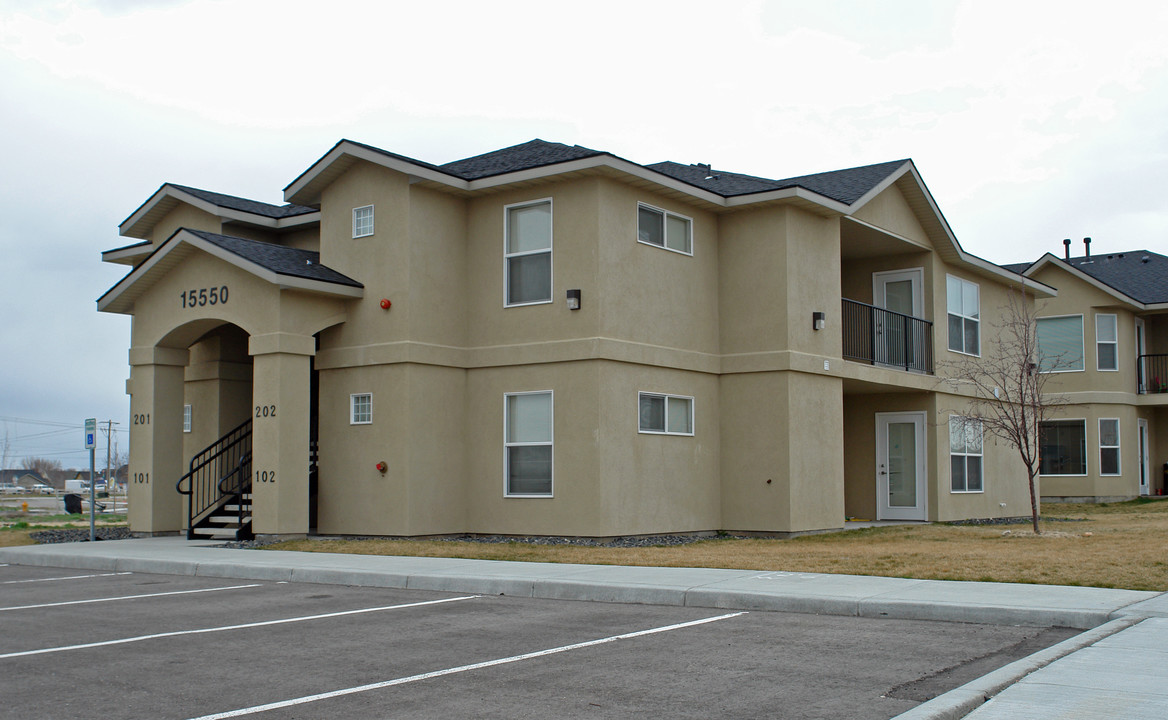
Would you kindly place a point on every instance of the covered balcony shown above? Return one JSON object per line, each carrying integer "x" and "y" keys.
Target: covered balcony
{"x": 886, "y": 338}
{"x": 1152, "y": 374}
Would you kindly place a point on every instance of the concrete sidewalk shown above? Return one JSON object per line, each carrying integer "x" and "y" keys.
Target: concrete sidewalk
{"x": 1119, "y": 668}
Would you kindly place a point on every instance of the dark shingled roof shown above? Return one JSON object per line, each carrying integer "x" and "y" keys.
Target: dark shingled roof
{"x": 1018, "y": 268}
{"x": 846, "y": 186}
{"x": 1140, "y": 274}
{"x": 244, "y": 205}
{"x": 535, "y": 153}
{"x": 278, "y": 258}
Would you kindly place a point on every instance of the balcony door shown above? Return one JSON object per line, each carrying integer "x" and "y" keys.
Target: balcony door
{"x": 1145, "y": 466}
{"x": 901, "y": 475}
{"x": 899, "y": 292}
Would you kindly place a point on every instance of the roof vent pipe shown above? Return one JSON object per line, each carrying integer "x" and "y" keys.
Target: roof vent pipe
{"x": 1087, "y": 244}
{"x": 1067, "y": 247}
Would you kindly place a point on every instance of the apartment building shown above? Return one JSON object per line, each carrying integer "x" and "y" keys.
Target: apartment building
{"x": 1105, "y": 341}
{"x": 553, "y": 340}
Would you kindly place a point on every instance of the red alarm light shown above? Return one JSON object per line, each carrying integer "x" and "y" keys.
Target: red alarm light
{"x": 385, "y": 303}
{"x": 382, "y": 467}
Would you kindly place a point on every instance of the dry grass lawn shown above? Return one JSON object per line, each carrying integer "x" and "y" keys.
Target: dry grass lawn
{"x": 1120, "y": 545}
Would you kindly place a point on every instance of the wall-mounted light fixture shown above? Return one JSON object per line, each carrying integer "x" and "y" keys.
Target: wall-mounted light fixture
{"x": 573, "y": 299}
{"x": 818, "y": 320}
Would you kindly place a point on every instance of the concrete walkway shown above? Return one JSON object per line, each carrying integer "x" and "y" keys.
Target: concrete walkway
{"x": 1117, "y": 669}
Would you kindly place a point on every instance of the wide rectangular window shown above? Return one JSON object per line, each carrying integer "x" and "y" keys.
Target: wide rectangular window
{"x": 360, "y": 408}
{"x": 965, "y": 454}
{"x": 1109, "y": 446}
{"x": 1060, "y": 343}
{"x": 1106, "y": 343}
{"x": 1063, "y": 447}
{"x": 363, "y": 221}
{"x": 666, "y": 414}
{"x": 964, "y": 308}
{"x": 664, "y": 229}
{"x": 528, "y": 438}
{"x": 527, "y": 253}
{"x": 186, "y": 418}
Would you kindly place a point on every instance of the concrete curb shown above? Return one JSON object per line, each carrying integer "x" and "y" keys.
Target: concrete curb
{"x": 960, "y": 701}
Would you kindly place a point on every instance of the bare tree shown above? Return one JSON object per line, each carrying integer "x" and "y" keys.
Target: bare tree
{"x": 1008, "y": 383}
{"x": 5, "y": 449}
{"x": 41, "y": 466}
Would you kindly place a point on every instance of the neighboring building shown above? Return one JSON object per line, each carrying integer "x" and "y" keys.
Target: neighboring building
{"x": 1106, "y": 337}
{"x": 552, "y": 340}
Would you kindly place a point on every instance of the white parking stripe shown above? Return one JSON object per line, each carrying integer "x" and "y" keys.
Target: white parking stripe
{"x": 460, "y": 669}
{"x": 128, "y": 597}
{"x": 71, "y": 577}
{"x": 224, "y": 628}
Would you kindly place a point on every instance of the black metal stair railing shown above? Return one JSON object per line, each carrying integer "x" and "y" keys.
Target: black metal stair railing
{"x": 878, "y": 336}
{"x": 227, "y": 460}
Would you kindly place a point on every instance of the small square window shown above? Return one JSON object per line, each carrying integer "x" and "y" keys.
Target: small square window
{"x": 360, "y": 409}
{"x": 664, "y": 229}
{"x": 363, "y": 221}
{"x": 665, "y": 414}
{"x": 186, "y": 418}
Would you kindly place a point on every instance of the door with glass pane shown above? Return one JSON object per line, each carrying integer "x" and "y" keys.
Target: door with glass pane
{"x": 1145, "y": 466}
{"x": 900, "y": 294}
{"x": 901, "y": 479}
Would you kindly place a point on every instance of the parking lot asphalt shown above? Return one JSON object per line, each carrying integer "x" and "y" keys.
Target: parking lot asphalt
{"x": 121, "y": 644}
{"x": 1125, "y": 638}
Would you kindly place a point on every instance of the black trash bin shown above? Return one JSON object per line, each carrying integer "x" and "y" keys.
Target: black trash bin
{"x": 73, "y": 504}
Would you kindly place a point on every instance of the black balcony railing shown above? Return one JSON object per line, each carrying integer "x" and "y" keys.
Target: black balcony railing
{"x": 877, "y": 336}
{"x": 1152, "y": 374}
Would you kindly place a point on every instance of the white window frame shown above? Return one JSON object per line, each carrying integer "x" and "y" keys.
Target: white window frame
{"x": 186, "y": 418}
{"x": 1114, "y": 343}
{"x": 949, "y": 340}
{"x": 967, "y": 454}
{"x": 353, "y": 418}
{"x": 1082, "y": 343}
{"x": 1116, "y": 447}
{"x": 508, "y": 255}
{"x": 665, "y": 215}
{"x": 507, "y": 445}
{"x": 358, "y": 224}
{"x": 1086, "y": 451}
{"x": 667, "y": 397}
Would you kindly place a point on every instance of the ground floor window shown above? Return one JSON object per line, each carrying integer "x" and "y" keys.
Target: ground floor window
{"x": 360, "y": 408}
{"x": 1109, "y": 446}
{"x": 528, "y": 438}
{"x": 666, "y": 414}
{"x": 1063, "y": 447}
{"x": 965, "y": 454}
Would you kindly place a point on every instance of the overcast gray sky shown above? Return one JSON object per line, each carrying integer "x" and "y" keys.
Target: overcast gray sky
{"x": 1029, "y": 121}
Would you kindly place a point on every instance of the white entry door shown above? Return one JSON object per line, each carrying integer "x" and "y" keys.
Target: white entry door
{"x": 1145, "y": 468}
{"x": 898, "y": 292}
{"x": 901, "y": 478}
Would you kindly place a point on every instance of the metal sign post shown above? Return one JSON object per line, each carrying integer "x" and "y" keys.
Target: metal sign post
{"x": 90, "y": 444}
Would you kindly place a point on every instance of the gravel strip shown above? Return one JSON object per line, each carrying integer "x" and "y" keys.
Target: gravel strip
{"x": 620, "y": 542}
{"x": 48, "y": 537}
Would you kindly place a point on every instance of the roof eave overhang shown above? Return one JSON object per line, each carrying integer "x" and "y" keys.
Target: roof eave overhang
{"x": 120, "y": 299}
{"x": 1049, "y": 259}
{"x": 126, "y": 255}
{"x": 142, "y": 221}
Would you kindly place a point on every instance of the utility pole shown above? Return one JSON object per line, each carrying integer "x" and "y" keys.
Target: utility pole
{"x": 109, "y": 432}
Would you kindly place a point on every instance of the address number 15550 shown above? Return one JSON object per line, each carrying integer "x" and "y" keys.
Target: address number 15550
{"x": 204, "y": 296}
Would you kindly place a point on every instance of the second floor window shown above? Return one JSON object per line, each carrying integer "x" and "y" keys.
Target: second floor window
{"x": 527, "y": 253}
{"x": 363, "y": 221}
{"x": 664, "y": 229}
{"x": 1060, "y": 343}
{"x": 964, "y": 306}
{"x": 1106, "y": 344}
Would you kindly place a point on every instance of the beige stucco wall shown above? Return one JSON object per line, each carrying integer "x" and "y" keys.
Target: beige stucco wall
{"x": 889, "y": 210}
{"x": 183, "y": 216}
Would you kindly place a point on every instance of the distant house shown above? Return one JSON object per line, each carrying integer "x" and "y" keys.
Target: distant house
{"x": 27, "y": 479}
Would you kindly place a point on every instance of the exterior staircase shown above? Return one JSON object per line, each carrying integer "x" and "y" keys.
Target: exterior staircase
{"x": 218, "y": 488}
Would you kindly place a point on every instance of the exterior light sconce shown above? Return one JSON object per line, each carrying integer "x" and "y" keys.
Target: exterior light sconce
{"x": 573, "y": 299}
{"x": 382, "y": 467}
{"x": 818, "y": 320}
{"x": 386, "y": 304}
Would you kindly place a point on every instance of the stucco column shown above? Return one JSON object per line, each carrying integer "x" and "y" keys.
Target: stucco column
{"x": 156, "y": 440}
{"x": 280, "y": 407}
